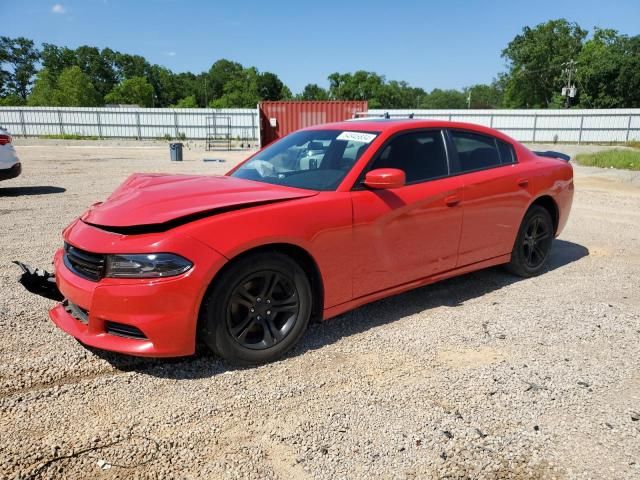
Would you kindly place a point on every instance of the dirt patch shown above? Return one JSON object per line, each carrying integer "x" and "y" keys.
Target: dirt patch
{"x": 470, "y": 358}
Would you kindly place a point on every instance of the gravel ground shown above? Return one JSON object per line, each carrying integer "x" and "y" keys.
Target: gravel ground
{"x": 483, "y": 376}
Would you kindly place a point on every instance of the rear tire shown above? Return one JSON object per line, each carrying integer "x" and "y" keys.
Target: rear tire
{"x": 533, "y": 243}
{"x": 258, "y": 309}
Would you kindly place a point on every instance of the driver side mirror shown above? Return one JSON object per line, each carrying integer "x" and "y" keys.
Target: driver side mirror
{"x": 385, "y": 178}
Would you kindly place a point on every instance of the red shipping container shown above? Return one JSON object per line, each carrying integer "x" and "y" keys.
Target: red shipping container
{"x": 278, "y": 119}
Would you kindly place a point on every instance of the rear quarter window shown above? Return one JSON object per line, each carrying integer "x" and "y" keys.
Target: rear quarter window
{"x": 507, "y": 154}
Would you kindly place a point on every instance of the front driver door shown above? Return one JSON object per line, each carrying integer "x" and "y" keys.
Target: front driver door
{"x": 404, "y": 234}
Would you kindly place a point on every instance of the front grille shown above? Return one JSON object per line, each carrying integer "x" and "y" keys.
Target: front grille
{"x": 76, "y": 312}
{"x": 86, "y": 264}
{"x": 122, "y": 330}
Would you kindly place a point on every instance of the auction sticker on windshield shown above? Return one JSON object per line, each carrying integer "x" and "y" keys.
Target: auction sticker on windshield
{"x": 356, "y": 137}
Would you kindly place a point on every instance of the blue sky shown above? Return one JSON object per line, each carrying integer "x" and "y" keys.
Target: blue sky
{"x": 430, "y": 44}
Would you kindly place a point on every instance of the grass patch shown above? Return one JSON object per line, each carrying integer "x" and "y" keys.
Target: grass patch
{"x": 69, "y": 136}
{"x": 623, "y": 159}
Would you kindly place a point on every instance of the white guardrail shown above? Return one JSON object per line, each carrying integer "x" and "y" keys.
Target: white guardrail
{"x": 613, "y": 125}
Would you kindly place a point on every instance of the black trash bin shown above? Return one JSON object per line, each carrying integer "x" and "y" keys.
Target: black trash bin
{"x": 176, "y": 152}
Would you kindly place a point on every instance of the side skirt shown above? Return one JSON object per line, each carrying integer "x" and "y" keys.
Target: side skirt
{"x": 357, "y": 302}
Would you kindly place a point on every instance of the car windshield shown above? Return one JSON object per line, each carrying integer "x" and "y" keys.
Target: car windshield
{"x": 311, "y": 159}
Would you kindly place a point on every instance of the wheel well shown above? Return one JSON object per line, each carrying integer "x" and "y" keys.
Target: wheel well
{"x": 549, "y": 203}
{"x": 302, "y": 258}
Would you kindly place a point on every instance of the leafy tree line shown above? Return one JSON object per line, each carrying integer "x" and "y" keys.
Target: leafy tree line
{"x": 87, "y": 77}
{"x": 607, "y": 75}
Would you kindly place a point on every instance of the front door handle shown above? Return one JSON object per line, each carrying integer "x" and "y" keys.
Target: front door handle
{"x": 523, "y": 182}
{"x": 452, "y": 200}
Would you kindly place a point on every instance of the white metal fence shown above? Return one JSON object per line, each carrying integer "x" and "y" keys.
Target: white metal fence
{"x": 140, "y": 123}
{"x": 614, "y": 125}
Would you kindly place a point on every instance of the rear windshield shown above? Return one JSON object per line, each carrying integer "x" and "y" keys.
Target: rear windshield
{"x": 312, "y": 159}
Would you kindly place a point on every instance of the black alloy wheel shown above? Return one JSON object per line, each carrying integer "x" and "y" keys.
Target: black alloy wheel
{"x": 536, "y": 242}
{"x": 533, "y": 243}
{"x": 258, "y": 307}
{"x": 263, "y": 310}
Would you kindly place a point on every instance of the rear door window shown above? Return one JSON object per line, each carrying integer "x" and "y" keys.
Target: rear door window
{"x": 475, "y": 151}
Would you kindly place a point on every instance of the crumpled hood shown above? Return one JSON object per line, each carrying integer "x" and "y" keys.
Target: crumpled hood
{"x": 155, "y": 199}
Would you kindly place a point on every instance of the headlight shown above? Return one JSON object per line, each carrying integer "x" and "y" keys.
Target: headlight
{"x": 146, "y": 265}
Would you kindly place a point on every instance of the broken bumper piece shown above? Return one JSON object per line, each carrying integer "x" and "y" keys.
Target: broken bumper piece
{"x": 39, "y": 282}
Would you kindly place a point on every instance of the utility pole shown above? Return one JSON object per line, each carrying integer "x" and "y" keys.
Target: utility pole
{"x": 469, "y": 99}
{"x": 570, "y": 90}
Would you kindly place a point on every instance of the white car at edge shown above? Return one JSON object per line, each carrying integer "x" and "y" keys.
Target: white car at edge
{"x": 9, "y": 162}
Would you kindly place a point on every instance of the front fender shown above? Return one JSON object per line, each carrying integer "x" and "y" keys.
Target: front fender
{"x": 320, "y": 225}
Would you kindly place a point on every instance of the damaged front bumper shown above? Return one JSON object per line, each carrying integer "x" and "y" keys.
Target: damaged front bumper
{"x": 143, "y": 317}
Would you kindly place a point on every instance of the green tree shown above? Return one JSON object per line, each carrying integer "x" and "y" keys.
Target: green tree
{"x": 166, "y": 86}
{"x": 55, "y": 59}
{"x": 187, "y": 102}
{"x": 129, "y": 66}
{"x": 270, "y": 87}
{"x": 97, "y": 65}
{"x": 286, "y": 93}
{"x": 536, "y": 61}
{"x": 76, "y": 90}
{"x": 132, "y": 91}
{"x": 72, "y": 88}
{"x": 220, "y": 74}
{"x": 45, "y": 90}
{"x": 12, "y": 101}
{"x": 313, "y": 91}
{"x": 193, "y": 85}
{"x": 396, "y": 94}
{"x": 98, "y": 68}
{"x": 444, "y": 99}
{"x": 485, "y": 96}
{"x": 360, "y": 85}
{"x": 608, "y": 71}
{"x": 4, "y": 73}
{"x": 18, "y": 59}
{"x": 374, "y": 88}
{"x": 629, "y": 77}
{"x": 240, "y": 92}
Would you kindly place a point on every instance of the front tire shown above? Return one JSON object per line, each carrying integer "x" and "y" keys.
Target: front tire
{"x": 533, "y": 243}
{"x": 258, "y": 309}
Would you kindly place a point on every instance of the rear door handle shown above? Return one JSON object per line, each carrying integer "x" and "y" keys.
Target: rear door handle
{"x": 523, "y": 182}
{"x": 452, "y": 200}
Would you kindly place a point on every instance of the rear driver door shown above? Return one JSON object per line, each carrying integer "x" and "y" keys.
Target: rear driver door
{"x": 495, "y": 195}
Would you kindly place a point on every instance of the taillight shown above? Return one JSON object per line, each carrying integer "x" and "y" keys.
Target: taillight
{"x": 4, "y": 139}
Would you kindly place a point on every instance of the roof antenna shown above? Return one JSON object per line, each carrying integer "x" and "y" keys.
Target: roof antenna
{"x": 386, "y": 115}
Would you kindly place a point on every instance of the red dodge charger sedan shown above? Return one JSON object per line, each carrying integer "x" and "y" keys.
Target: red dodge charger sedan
{"x": 324, "y": 220}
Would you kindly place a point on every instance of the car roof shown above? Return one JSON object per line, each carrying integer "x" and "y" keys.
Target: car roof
{"x": 370, "y": 124}
{"x": 393, "y": 125}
